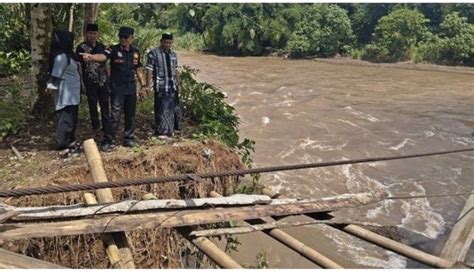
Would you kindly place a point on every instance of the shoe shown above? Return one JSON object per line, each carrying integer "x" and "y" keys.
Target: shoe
{"x": 163, "y": 137}
{"x": 130, "y": 144}
{"x": 74, "y": 152}
{"x": 106, "y": 147}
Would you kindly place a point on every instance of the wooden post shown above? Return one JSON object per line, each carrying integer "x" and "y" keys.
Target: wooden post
{"x": 461, "y": 236}
{"x": 397, "y": 247}
{"x": 111, "y": 248}
{"x": 295, "y": 244}
{"x": 12, "y": 260}
{"x": 105, "y": 196}
{"x": 205, "y": 245}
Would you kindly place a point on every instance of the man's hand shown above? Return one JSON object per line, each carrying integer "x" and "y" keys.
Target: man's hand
{"x": 48, "y": 92}
{"x": 144, "y": 91}
{"x": 86, "y": 56}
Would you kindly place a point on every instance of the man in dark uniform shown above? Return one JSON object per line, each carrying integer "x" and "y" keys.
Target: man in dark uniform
{"x": 125, "y": 64}
{"x": 95, "y": 79}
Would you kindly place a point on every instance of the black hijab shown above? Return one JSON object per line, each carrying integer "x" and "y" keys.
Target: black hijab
{"x": 62, "y": 42}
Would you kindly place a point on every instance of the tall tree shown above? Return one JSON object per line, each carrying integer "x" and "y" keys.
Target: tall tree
{"x": 41, "y": 28}
{"x": 91, "y": 12}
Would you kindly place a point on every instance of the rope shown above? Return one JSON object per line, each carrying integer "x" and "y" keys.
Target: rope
{"x": 187, "y": 177}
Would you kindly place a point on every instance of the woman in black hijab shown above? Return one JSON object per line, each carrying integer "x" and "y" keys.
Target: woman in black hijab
{"x": 65, "y": 83}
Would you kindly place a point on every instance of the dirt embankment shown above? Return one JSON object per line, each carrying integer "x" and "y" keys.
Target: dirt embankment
{"x": 151, "y": 248}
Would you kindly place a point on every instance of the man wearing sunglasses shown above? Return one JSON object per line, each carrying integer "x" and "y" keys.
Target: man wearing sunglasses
{"x": 125, "y": 65}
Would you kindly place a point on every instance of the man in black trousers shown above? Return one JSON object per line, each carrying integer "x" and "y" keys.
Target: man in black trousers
{"x": 95, "y": 78}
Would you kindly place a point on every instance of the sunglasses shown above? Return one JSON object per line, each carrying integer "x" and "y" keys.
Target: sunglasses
{"x": 123, "y": 37}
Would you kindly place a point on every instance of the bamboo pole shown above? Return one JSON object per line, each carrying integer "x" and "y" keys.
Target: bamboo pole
{"x": 216, "y": 254}
{"x": 105, "y": 196}
{"x": 397, "y": 247}
{"x": 204, "y": 244}
{"x": 111, "y": 248}
{"x": 296, "y": 245}
{"x": 459, "y": 242}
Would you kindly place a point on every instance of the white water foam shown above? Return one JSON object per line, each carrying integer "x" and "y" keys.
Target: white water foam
{"x": 234, "y": 102}
{"x": 349, "y": 123}
{"x": 429, "y": 133}
{"x": 402, "y": 144}
{"x": 362, "y": 115}
{"x": 358, "y": 251}
{"x": 419, "y": 212}
{"x": 285, "y": 153}
{"x": 315, "y": 144}
{"x": 287, "y": 103}
{"x": 381, "y": 210}
{"x": 356, "y": 181}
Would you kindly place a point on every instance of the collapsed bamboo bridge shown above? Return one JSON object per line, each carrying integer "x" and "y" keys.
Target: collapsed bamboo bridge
{"x": 101, "y": 214}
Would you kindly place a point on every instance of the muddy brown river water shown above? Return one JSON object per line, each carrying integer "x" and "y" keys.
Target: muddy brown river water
{"x": 301, "y": 111}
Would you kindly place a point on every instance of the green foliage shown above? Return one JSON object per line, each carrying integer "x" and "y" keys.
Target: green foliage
{"x": 12, "y": 116}
{"x": 14, "y": 62}
{"x": 262, "y": 260}
{"x": 113, "y": 16}
{"x": 397, "y": 35}
{"x": 246, "y": 29}
{"x": 324, "y": 30}
{"x": 189, "y": 41}
{"x": 364, "y": 19}
{"x": 454, "y": 45}
{"x": 204, "y": 107}
{"x": 15, "y": 40}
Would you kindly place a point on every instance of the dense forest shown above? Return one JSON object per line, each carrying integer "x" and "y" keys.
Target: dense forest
{"x": 436, "y": 33}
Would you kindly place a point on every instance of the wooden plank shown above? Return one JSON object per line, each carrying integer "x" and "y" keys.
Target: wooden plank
{"x": 461, "y": 236}
{"x": 168, "y": 219}
{"x": 12, "y": 260}
{"x": 4, "y": 216}
{"x": 105, "y": 196}
{"x": 130, "y": 206}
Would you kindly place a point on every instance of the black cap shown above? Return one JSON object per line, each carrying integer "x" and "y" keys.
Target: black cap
{"x": 92, "y": 27}
{"x": 126, "y": 31}
{"x": 167, "y": 36}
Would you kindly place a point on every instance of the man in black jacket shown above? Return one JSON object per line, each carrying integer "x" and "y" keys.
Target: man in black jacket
{"x": 95, "y": 79}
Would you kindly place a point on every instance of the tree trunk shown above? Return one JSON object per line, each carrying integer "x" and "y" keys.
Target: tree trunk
{"x": 91, "y": 12}
{"x": 41, "y": 28}
{"x": 71, "y": 16}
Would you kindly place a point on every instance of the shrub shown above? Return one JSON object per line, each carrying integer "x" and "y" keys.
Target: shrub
{"x": 12, "y": 116}
{"x": 189, "y": 41}
{"x": 204, "y": 107}
{"x": 324, "y": 30}
{"x": 13, "y": 62}
{"x": 398, "y": 33}
{"x": 455, "y": 45}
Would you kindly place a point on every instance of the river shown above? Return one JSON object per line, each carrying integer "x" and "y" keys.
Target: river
{"x": 301, "y": 111}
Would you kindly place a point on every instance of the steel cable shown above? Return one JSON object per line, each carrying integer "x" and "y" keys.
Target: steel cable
{"x": 192, "y": 177}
